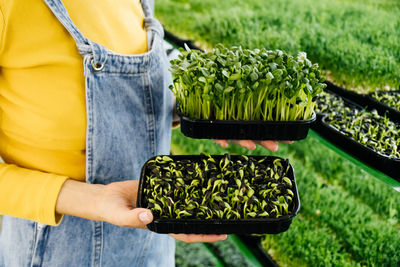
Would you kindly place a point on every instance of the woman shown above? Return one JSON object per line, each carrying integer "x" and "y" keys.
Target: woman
{"x": 84, "y": 103}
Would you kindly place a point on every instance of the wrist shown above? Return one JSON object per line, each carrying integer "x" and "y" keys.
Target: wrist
{"x": 80, "y": 199}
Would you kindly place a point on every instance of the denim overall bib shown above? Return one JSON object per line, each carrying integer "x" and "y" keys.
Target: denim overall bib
{"x": 129, "y": 109}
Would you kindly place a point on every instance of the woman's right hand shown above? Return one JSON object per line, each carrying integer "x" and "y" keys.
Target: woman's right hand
{"x": 114, "y": 203}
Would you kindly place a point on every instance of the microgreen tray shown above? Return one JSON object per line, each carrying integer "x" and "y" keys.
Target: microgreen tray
{"x": 252, "y": 130}
{"x": 383, "y": 108}
{"x": 265, "y": 225}
{"x": 383, "y": 163}
{"x": 366, "y": 101}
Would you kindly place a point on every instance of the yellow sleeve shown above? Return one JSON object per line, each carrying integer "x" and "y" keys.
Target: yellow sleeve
{"x": 29, "y": 194}
{"x": 26, "y": 193}
{"x": 2, "y": 25}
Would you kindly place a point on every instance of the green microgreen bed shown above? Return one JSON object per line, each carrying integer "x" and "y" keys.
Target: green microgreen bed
{"x": 356, "y": 42}
{"x": 193, "y": 255}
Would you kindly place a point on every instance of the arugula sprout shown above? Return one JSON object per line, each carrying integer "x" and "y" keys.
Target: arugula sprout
{"x": 242, "y": 84}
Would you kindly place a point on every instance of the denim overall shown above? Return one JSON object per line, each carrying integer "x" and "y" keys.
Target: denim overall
{"x": 129, "y": 109}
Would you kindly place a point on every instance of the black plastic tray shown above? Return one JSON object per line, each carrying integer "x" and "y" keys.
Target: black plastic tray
{"x": 366, "y": 101}
{"x": 252, "y": 130}
{"x": 360, "y": 99}
{"x": 267, "y": 259}
{"x": 382, "y": 108}
{"x": 179, "y": 42}
{"x": 363, "y": 153}
{"x": 222, "y": 226}
{"x": 253, "y": 243}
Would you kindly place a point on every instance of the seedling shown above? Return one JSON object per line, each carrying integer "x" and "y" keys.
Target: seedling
{"x": 242, "y": 84}
{"x": 368, "y": 128}
{"x": 390, "y": 98}
{"x": 211, "y": 188}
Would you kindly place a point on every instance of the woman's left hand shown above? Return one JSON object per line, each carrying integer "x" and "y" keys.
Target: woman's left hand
{"x": 195, "y": 238}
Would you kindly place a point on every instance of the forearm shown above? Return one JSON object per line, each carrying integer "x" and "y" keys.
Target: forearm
{"x": 80, "y": 199}
{"x": 114, "y": 203}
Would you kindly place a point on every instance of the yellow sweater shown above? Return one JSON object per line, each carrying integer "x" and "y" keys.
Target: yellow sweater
{"x": 42, "y": 96}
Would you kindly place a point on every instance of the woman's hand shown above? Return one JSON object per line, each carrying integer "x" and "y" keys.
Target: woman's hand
{"x": 250, "y": 144}
{"x": 114, "y": 203}
{"x": 193, "y": 238}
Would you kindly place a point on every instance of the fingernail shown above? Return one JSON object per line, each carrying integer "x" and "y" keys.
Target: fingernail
{"x": 223, "y": 144}
{"x": 251, "y": 146}
{"x": 145, "y": 217}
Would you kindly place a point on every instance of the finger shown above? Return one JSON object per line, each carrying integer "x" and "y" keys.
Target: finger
{"x": 135, "y": 218}
{"x": 193, "y": 238}
{"x": 245, "y": 143}
{"x": 271, "y": 145}
{"x": 286, "y": 142}
{"x": 221, "y": 142}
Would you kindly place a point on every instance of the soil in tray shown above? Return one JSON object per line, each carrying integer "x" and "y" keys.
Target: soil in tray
{"x": 219, "y": 189}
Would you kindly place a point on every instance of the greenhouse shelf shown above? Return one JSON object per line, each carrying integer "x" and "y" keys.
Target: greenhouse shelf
{"x": 252, "y": 252}
{"x": 219, "y": 262}
{"x": 381, "y": 176}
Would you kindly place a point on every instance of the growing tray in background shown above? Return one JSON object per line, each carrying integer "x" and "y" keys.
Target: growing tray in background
{"x": 386, "y": 102}
{"x": 235, "y": 93}
{"x": 344, "y": 124}
{"x": 369, "y": 101}
{"x": 227, "y": 194}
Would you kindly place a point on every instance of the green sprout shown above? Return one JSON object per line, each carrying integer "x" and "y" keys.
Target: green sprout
{"x": 218, "y": 188}
{"x": 370, "y": 129}
{"x": 241, "y": 84}
{"x": 390, "y": 98}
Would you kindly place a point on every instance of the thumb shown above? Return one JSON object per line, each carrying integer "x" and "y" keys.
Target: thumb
{"x": 145, "y": 216}
{"x": 137, "y": 218}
